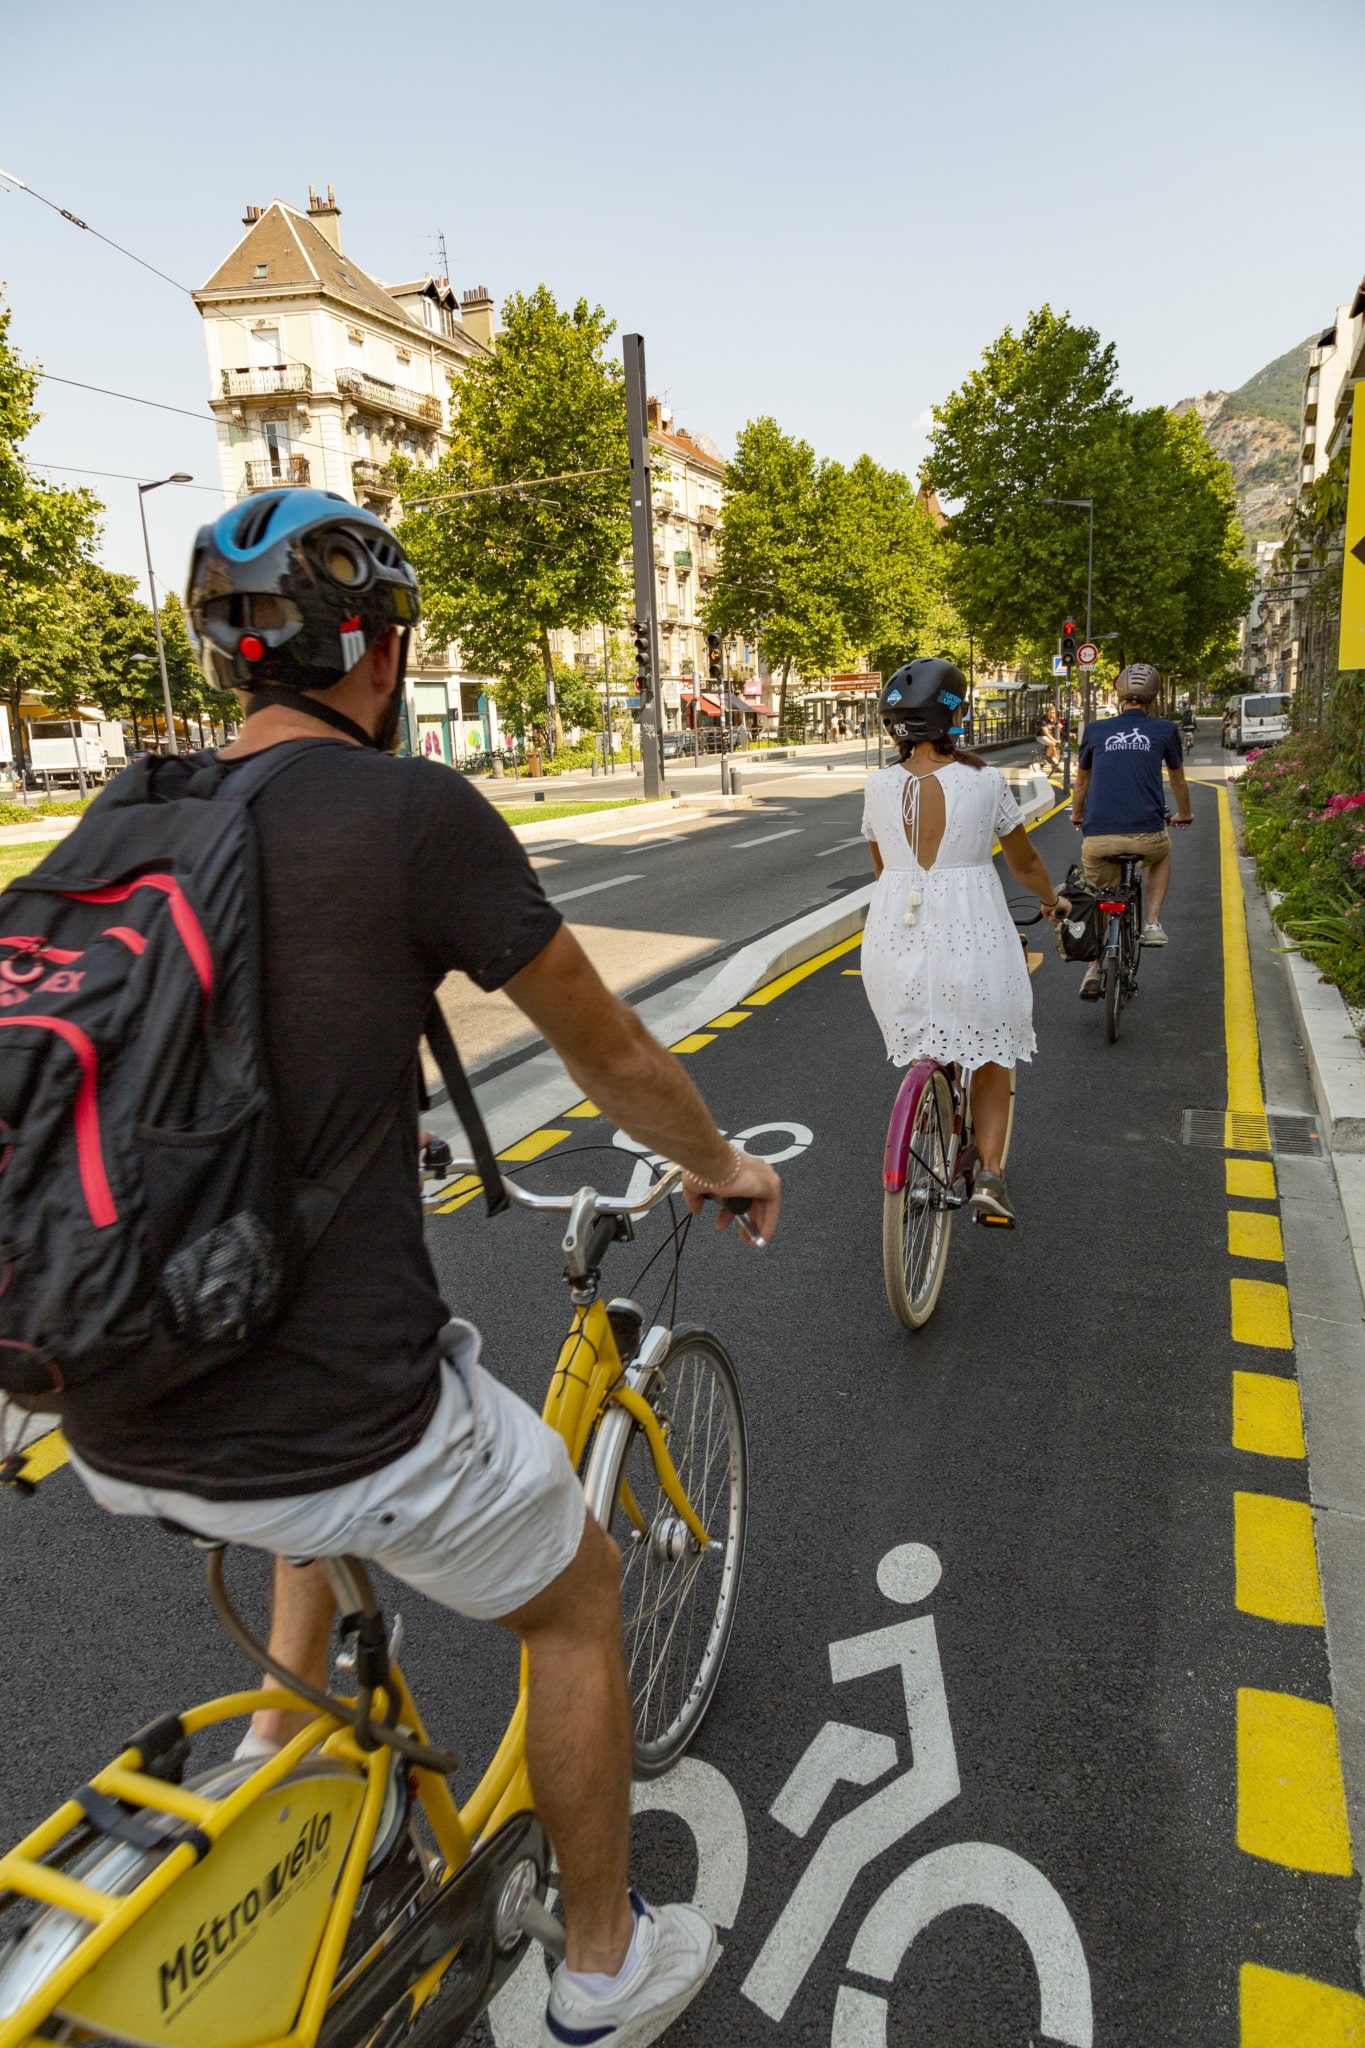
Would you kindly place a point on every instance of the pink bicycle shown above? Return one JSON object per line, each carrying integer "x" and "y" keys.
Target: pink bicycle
{"x": 928, "y": 1173}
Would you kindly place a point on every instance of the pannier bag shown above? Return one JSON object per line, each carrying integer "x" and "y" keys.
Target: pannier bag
{"x": 1079, "y": 932}
{"x": 148, "y": 1230}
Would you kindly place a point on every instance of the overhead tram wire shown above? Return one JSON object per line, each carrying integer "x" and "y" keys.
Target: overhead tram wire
{"x": 123, "y": 476}
{"x": 205, "y": 419}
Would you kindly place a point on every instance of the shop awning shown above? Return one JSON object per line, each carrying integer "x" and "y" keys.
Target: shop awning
{"x": 714, "y": 705}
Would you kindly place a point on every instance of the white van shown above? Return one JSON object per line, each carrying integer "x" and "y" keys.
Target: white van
{"x": 1259, "y": 721}
{"x": 67, "y": 750}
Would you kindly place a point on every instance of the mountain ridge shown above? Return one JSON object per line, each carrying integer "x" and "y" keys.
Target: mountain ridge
{"x": 1256, "y": 430}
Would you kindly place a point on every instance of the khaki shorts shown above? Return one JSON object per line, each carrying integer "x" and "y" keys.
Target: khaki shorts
{"x": 1097, "y": 853}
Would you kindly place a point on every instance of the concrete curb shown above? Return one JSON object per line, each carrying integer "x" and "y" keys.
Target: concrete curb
{"x": 538, "y": 1089}
{"x": 1332, "y": 1049}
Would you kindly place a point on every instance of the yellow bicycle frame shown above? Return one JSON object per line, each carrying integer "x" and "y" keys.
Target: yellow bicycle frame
{"x": 587, "y": 1380}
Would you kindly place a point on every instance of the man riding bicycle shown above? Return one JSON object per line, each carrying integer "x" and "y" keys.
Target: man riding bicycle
{"x": 364, "y": 1422}
{"x": 1119, "y": 803}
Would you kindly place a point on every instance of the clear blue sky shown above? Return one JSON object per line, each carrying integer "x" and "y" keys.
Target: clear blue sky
{"x": 821, "y": 212}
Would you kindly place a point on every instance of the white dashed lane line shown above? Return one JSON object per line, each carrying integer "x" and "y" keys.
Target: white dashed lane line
{"x": 764, "y": 839}
{"x": 595, "y": 888}
{"x": 840, "y": 844}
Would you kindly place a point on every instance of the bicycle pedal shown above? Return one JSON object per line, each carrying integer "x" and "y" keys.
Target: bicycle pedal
{"x": 984, "y": 1217}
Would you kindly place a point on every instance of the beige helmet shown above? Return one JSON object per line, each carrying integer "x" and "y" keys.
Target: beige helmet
{"x": 1140, "y": 680}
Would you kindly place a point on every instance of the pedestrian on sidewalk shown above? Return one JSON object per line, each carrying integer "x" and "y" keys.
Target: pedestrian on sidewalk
{"x": 1119, "y": 802}
{"x": 942, "y": 964}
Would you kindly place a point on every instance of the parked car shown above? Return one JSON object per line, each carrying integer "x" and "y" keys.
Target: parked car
{"x": 1256, "y": 721}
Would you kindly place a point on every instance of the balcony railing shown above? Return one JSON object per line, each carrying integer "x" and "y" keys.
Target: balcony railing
{"x": 264, "y": 475}
{"x": 682, "y": 558}
{"x": 268, "y": 381}
{"x": 380, "y": 396}
{"x": 373, "y": 476}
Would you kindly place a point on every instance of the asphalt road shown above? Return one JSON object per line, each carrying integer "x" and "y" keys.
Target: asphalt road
{"x": 1059, "y": 1439}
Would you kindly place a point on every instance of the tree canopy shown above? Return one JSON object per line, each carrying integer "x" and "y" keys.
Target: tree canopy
{"x": 501, "y": 570}
{"x": 1043, "y": 418}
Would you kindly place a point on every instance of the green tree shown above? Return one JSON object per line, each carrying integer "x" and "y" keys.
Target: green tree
{"x": 523, "y": 706}
{"x": 45, "y": 534}
{"x": 891, "y": 584}
{"x": 502, "y": 570}
{"x": 784, "y": 549}
{"x": 1043, "y": 418}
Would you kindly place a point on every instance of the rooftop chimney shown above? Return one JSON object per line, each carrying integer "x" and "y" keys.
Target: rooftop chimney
{"x": 251, "y": 216}
{"x": 325, "y": 215}
{"x": 476, "y": 313}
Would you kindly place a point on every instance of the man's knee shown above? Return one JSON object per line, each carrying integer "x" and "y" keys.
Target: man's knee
{"x": 585, "y": 1599}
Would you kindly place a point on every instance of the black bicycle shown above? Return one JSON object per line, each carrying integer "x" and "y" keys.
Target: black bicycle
{"x": 1121, "y": 943}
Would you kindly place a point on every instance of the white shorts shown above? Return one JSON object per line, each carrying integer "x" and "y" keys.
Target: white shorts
{"x": 481, "y": 1515}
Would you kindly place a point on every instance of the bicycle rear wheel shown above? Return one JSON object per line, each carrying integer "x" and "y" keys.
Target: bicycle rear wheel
{"x": 1113, "y": 995}
{"x": 677, "y": 1601}
{"x": 916, "y": 1225}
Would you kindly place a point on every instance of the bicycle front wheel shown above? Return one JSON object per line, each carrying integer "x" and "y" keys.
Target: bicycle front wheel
{"x": 677, "y": 1600}
{"x": 916, "y": 1223}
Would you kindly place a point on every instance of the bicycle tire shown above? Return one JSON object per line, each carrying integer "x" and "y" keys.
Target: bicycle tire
{"x": 668, "y": 1587}
{"x": 1113, "y": 995}
{"x": 915, "y": 1227}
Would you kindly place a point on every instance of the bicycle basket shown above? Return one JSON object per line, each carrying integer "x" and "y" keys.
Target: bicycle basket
{"x": 1078, "y": 933}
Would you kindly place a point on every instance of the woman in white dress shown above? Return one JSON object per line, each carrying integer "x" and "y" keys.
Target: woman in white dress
{"x": 942, "y": 964}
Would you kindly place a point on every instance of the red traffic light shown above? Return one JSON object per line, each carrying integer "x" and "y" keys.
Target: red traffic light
{"x": 1068, "y": 625}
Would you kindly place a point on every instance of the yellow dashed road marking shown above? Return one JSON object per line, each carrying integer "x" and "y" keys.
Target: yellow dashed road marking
{"x": 1280, "y": 2011}
{"x": 44, "y": 1455}
{"x": 1260, "y": 1314}
{"x": 1267, "y": 1416}
{"x": 1246, "y": 1104}
{"x": 1255, "y": 1234}
{"x": 1291, "y": 1805}
{"x": 1277, "y": 1561}
{"x": 693, "y": 1042}
{"x": 772, "y": 989}
{"x": 1251, "y": 1179}
{"x": 856, "y": 972}
{"x": 729, "y": 1018}
{"x": 584, "y": 1109}
{"x": 533, "y": 1145}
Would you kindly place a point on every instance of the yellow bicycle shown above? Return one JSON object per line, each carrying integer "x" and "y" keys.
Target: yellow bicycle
{"x": 336, "y": 1894}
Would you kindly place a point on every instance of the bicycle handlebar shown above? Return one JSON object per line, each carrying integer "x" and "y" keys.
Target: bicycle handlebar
{"x": 605, "y": 1205}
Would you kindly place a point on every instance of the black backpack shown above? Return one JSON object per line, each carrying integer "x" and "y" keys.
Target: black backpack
{"x": 1078, "y": 933}
{"x": 148, "y": 1228}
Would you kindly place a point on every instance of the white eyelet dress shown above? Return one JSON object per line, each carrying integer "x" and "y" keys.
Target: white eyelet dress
{"x": 942, "y": 964}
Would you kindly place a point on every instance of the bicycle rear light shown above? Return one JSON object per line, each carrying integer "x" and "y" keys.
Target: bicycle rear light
{"x": 1117, "y": 908}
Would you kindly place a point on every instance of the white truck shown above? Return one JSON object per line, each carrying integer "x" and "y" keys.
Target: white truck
{"x": 65, "y": 751}
{"x": 1257, "y": 721}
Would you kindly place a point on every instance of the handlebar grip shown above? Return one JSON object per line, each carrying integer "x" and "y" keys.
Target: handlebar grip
{"x": 738, "y": 1205}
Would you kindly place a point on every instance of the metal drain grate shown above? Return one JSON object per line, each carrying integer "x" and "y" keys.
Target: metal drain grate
{"x": 1234, "y": 1130}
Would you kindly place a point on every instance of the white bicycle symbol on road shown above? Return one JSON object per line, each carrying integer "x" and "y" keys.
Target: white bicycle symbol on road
{"x": 964, "y": 1874}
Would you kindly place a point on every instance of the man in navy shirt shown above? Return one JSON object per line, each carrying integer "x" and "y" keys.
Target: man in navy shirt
{"x": 1119, "y": 803}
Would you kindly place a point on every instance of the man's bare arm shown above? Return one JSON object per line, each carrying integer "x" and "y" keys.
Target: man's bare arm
{"x": 1078, "y": 790}
{"x": 630, "y": 1076}
{"x": 1180, "y": 789}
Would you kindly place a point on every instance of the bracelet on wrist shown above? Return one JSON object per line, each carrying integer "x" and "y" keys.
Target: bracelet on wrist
{"x": 709, "y": 1186}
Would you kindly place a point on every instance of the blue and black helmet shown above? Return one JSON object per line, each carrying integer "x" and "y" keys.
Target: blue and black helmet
{"x": 289, "y": 589}
{"x": 924, "y": 700}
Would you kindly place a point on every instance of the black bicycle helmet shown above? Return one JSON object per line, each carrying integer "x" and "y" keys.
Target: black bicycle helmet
{"x": 923, "y": 700}
{"x": 288, "y": 590}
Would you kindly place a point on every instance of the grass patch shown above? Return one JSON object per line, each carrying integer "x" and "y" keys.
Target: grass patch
{"x": 526, "y": 814}
{"x": 20, "y": 860}
{"x": 12, "y": 813}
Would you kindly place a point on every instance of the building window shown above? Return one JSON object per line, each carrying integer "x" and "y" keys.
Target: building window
{"x": 277, "y": 448}
{"x": 261, "y": 270}
{"x": 266, "y": 352}
{"x": 355, "y": 341}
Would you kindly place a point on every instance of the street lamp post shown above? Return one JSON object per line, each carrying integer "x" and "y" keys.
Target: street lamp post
{"x": 180, "y": 477}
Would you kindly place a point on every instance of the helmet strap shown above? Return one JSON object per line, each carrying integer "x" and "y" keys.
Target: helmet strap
{"x": 266, "y": 694}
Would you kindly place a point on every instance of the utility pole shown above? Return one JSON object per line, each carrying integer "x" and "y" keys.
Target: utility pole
{"x": 642, "y": 548}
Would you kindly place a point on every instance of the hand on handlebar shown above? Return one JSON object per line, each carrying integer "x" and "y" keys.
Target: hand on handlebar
{"x": 1178, "y": 820}
{"x": 1061, "y": 908}
{"x": 756, "y": 1180}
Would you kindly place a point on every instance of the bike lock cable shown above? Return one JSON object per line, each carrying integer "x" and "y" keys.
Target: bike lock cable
{"x": 356, "y": 1717}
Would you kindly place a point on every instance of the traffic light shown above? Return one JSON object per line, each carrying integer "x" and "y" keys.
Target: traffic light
{"x": 1068, "y": 646}
{"x": 713, "y": 648}
{"x": 643, "y": 664}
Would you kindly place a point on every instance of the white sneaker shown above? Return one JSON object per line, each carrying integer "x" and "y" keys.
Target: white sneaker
{"x": 676, "y": 1950}
{"x": 1152, "y": 935}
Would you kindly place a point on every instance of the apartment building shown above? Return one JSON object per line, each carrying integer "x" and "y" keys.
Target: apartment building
{"x": 320, "y": 375}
